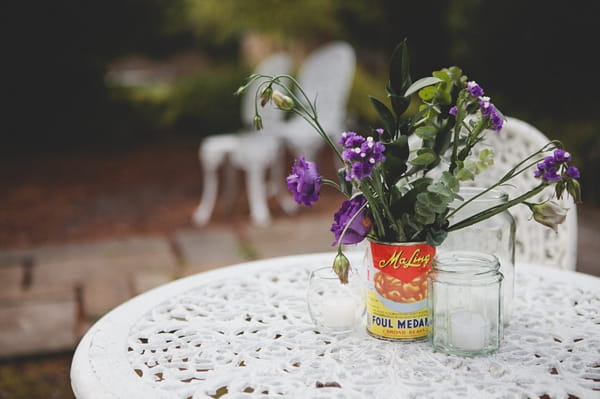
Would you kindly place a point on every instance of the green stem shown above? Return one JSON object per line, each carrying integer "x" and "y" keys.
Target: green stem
{"x": 375, "y": 211}
{"x": 378, "y": 186}
{"x": 309, "y": 115}
{"x": 515, "y": 171}
{"x": 331, "y": 183}
{"x": 460, "y": 117}
{"x": 488, "y": 213}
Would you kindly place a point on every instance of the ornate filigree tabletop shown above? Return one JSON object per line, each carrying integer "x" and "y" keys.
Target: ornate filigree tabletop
{"x": 244, "y": 331}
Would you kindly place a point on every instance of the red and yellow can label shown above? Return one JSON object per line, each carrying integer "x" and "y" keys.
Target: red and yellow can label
{"x": 397, "y": 297}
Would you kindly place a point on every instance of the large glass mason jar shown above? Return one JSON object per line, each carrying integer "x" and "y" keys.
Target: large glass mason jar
{"x": 495, "y": 236}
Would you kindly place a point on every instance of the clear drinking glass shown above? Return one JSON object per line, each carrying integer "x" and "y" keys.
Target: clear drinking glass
{"x": 495, "y": 236}
{"x": 332, "y": 305}
{"x": 465, "y": 303}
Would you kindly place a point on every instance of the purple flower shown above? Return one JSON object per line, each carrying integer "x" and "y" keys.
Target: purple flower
{"x": 304, "y": 182}
{"x": 351, "y": 139}
{"x": 561, "y": 155}
{"x": 488, "y": 109}
{"x": 358, "y": 228}
{"x": 379, "y": 131}
{"x": 573, "y": 172}
{"x": 361, "y": 155}
{"x": 496, "y": 120}
{"x": 453, "y": 111}
{"x": 474, "y": 89}
{"x": 549, "y": 169}
{"x": 485, "y": 106}
{"x": 551, "y": 174}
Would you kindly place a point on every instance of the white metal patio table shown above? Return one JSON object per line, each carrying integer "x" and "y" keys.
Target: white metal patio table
{"x": 244, "y": 331}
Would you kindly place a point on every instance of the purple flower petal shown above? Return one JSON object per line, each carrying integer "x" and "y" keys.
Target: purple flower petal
{"x": 304, "y": 182}
{"x": 474, "y": 89}
{"x": 360, "y": 226}
{"x": 561, "y": 155}
{"x": 361, "y": 155}
{"x": 573, "y": 172}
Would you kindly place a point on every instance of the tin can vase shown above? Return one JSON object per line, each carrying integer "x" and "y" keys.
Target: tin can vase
{"x": 396, "y": 300}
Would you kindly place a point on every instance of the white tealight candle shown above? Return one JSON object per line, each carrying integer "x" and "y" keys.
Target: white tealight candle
{"x": 338, "y": 311}
{"x": 467, "y": 330}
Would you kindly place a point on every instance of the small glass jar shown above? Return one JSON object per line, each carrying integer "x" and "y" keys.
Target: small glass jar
{"x": 465, "y": 303}
{"x": 495, "y": 236}
{"x": 334, "y": 306}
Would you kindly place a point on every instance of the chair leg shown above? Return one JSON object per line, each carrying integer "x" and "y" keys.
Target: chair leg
{"x": 257, "y": 196}
{"x": 288, "y": 204}
{"x": 231, "y": 188}
{"x": 204, "y": 210}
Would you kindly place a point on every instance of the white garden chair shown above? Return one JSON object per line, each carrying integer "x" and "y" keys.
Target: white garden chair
{"x": 326, "y": 76}
{"x": 251, "y": 151}
{"x": 534, "y": 243}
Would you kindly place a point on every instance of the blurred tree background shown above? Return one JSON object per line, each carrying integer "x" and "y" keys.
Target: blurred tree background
{"x": 116, "y": 73}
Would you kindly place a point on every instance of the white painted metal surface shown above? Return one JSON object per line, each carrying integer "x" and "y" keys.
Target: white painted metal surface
{"x": 244, "y": 331}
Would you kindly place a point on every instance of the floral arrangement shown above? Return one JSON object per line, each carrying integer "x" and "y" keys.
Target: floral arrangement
{"x": 390, "y": 196}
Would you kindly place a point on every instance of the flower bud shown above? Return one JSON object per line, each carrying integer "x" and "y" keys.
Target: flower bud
{"x": 341, "y": 267}
{"x": 265, "y": 95}
{"x": 258, "y": 122}
{"x": 282, "y": 101}
{"x": 240, "y": 91}
{"x": 549, "y": 214}
{"x": 574, "y": 189}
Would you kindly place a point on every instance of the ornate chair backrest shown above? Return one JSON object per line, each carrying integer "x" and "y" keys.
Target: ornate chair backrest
{"x": 327, "y": 75}
{"x": 534, "y": 243}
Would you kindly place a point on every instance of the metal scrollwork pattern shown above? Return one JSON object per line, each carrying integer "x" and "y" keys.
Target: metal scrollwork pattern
{"x": 245, "y": 332}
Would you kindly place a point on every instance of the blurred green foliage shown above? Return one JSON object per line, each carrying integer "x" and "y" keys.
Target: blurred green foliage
{"x": 226, "y": 20}
{"x": 534, "y": 57}
{"x": 198, "y": 104}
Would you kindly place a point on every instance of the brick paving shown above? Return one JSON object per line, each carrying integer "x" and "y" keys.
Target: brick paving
{"x": 49, "y": 296}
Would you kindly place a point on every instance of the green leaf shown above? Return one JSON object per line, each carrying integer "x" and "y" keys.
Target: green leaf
{"x": 387, "y": 118}
{"x": 455, "y": 73}
{"x": 443, "y": 138}
{"x": 441, "y": 189}
{"x": 405, "y": 203}
{"x": 425, "y": 156}
{"x": 435, "y": 237}
{"x": 428, "y": 93}
{"x": 426, "y": 132}
{"x": 400, "y": 79}
{"x": 463, "y": 174}
{"x": 574, "y": 189}
{"x": 421, "y": 83}
{"x": 450, "y": 181}
{"x": 399, "y": 104}
{"x": 396, "y": 154}
{"x": 442, "y": 75}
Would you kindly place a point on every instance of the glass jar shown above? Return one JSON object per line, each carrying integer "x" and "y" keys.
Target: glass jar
{"x": 334, "y": 306}
{"x": 465, "y": 303}
{"x": 495, "y": 235}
